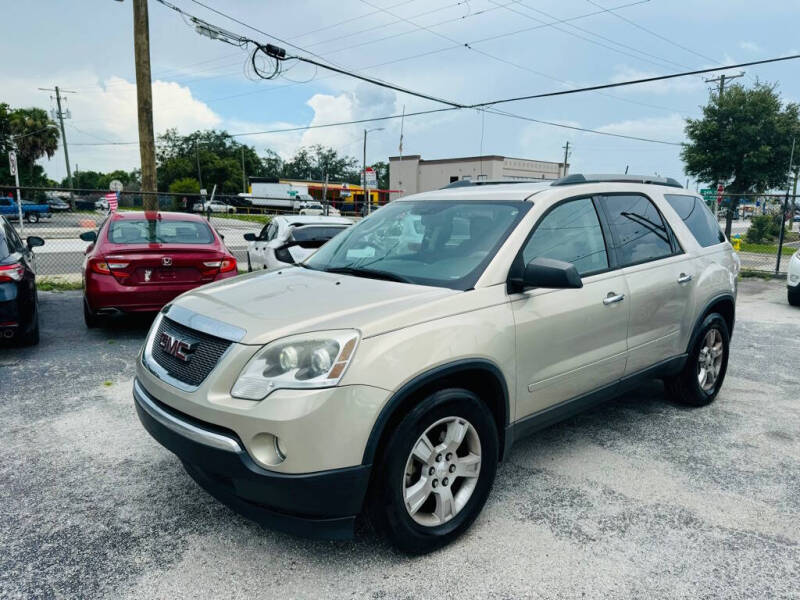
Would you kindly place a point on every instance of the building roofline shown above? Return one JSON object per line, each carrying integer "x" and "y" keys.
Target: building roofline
{"x": 467, "y": 159}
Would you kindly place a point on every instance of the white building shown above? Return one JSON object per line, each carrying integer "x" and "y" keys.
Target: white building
{"x": 411, "y": 174}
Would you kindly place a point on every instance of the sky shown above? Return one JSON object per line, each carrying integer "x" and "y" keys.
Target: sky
{"x": 466, "y": 51}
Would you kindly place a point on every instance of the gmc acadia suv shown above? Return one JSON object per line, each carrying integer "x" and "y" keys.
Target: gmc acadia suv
{"x": 392, "y": 370}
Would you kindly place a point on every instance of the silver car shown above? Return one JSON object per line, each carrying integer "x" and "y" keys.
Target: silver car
{"x": 391, "y": 371}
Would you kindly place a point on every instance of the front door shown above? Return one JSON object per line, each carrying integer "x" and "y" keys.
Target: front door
{"x": 570, "y": 341}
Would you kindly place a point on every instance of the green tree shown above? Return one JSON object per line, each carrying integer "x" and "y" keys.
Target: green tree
{"x": 742, "y": 140}
{"x": 215, "y": 154}
{"x": 315, "y": 162}
{"x": 382, "y": 173}
{"x": 33, "y": 135}
{"x": 187, "y": 185}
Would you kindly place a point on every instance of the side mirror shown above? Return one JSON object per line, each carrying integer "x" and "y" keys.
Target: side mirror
{"x": 88, "y": 236}
{"x": 548, "y": 273}
{"x": 34, "y": 241}
{"x": 250, "y": 237}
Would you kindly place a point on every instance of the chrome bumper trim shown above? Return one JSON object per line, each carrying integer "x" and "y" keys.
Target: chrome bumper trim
{"x": 181, "y": 427}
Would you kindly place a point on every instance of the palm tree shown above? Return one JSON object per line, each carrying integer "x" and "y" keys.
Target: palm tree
{"x": 34, "y": 135}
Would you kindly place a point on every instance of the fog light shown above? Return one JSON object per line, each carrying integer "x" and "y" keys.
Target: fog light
{"x": 267, "y": 449}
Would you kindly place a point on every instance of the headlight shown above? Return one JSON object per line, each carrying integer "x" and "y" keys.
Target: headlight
{"x": 309, "y": 360}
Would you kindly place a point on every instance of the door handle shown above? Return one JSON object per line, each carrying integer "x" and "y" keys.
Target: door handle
{"x": 684, "y": 278}
{"x": 613, "y": 298}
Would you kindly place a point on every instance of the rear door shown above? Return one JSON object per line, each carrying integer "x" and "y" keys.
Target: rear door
{"x": 570, "y": 341}
{"x": 659, "y": 277}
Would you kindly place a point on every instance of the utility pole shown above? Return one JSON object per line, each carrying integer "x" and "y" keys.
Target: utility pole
{"x": 566, "y": 157}
{"x": 244, "y": 180}
{"x": 60, "y": 114}
{"x": 783, "y": 211}
{"x": 197, "y": 158}
{"x": 364, "y": 176}
{"x": 729, "y": 212}
{"x": 144, "y": 100}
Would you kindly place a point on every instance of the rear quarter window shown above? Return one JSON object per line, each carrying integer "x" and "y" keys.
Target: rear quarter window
{"x": 698, "y": 218}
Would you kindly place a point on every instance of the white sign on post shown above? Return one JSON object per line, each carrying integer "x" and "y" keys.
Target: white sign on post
{"x": 12, "y": 162}
{"x": 115, "y": 185}
{"x": 12, "y": 166}
{"x": 372, "y": 177}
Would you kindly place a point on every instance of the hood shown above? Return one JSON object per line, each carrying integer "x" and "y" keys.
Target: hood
{"x": 296, "y": 300}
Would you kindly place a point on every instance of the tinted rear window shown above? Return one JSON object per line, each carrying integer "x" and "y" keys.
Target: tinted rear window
{"x": 313, "y": 234}
{"x": 165, "y": 232}
{"x": 698, "y": 219}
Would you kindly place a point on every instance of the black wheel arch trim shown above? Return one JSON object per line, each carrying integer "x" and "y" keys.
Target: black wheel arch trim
{"x": 704, "y": 313}
{"x": 418, "y": 382}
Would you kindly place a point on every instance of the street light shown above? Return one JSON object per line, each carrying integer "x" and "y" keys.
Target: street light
{"x": 367, "y": 199}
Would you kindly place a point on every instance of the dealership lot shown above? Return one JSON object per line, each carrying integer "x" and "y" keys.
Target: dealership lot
{"x": 636, "y": 498}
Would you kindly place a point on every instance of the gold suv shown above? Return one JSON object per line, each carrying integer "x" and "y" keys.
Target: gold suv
{"x": 392, "y": 370}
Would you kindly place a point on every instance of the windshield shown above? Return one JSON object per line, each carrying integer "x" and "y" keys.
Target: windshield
{"x": 444, "y": 243}
{"x": 165, "y": 232}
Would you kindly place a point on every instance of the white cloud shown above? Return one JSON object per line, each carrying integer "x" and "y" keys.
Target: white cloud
{"x": 668, "y": 129}
{"x": 750, "y": 47}
{"x": 679, "y": 85}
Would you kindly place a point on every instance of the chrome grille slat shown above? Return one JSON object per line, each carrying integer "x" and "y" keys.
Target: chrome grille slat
{"x": 203, "y": 360}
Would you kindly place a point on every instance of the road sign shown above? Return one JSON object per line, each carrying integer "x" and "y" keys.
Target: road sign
{"x": 12, "y": 162}
{"x": 708, "y": 193}
{"x": 371, "y": 177}
{"x": 115, "y": 185}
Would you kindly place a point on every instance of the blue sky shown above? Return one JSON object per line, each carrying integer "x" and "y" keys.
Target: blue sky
{"x": 87, "y": 47}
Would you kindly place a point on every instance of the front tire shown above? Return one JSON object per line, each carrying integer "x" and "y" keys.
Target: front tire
{"x": 793, "y": 295}
{"x": 701, "y": 378}
{"x": 249, "y": 264}
{"x": 32, "y": 217}
{"x": 436, "y": 472}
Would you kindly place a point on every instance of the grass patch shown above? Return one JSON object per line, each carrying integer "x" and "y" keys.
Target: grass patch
{"x": 108, "y": 383}
{"x": 49, "y": 284}
{"x": 263, "y": 219}
{"x": 766, "y": 249}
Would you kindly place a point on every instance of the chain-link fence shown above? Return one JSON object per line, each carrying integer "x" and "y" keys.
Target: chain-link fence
{"x": 59, "y": 217}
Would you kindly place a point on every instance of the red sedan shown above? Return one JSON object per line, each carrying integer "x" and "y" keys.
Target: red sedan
{"x": 138, "y": 262}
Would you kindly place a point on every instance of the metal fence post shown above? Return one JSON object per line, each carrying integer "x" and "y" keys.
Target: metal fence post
{"x": 783, "y": 213}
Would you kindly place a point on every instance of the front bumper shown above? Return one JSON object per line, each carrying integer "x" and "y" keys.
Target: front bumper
{"x": 319, "y": 505}
{"x": 793, "y": 272}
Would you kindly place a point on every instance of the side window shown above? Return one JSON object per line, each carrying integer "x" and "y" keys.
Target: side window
{"x": 570, "y": 232}
{"x": 640, "y": 233}
{"x": 698, "y": 219}
{"x": 12, "y": 239}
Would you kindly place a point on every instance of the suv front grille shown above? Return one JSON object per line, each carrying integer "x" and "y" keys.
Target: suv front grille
{"x": 208, "y": 349}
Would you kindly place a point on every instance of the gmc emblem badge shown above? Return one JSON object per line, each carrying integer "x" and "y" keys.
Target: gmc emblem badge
{"x": 178, "y": 348}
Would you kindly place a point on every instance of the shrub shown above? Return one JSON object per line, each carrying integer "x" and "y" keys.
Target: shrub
{"x": 763, "y": 229}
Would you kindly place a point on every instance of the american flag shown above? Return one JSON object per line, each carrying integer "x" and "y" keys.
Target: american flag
{"x": 112, "y": 200}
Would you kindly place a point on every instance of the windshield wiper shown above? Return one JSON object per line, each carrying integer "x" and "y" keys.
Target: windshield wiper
{"x": 369, "y": 273}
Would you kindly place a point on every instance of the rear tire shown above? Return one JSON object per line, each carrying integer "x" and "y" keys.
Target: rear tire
{"x": 704, "y": 372}
{"x": 32, "y": 337}
{"x": 90, "y": 318}
{"x": 793, "y": 295}
{"x": 445, "y": 503}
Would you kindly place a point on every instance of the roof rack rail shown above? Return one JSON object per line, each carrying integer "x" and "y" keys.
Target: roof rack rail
{"x": 474, "y": 182}
{"x": 577, "y": 178}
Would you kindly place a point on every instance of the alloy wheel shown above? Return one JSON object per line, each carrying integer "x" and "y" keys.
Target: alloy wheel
{"x": 709, "y": 362}
{"x": 442, "y": 471}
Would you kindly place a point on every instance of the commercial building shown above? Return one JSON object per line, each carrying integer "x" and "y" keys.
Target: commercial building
{"x": 411, "y": 174}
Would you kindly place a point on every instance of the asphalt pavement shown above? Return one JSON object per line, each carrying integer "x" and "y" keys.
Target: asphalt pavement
{"x": 638, "y": 498}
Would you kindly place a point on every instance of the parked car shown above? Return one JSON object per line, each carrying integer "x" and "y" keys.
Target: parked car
{"x": 136, "y": 264}
{"x": 19, "y": 306}
{"x": 31, "y": 212}
{"x": 390, "y": 376}
{"x": 57, "y": 205}
{"x": 793, "y": 279}
{"x": 214, "y": 206}
{"x": 287, "y": 240}
{"x": 314, "y": 208}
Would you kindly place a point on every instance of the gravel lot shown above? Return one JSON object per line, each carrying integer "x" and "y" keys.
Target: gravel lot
{"x": 637, "y": 498}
